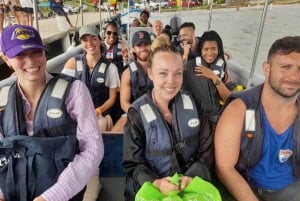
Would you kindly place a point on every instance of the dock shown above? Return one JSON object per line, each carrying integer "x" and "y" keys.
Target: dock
{"x": 56, "y": 28}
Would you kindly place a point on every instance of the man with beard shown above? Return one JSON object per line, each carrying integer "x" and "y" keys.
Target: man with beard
{"x": 134, "y": 80}
{"x": 257, "y": 137}
{"x": 188, "y": 43}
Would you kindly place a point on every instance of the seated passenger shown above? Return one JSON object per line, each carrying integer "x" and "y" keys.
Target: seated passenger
{"x": 258, "y": 135}
{"x": 134, "y": 80}
{"x": 50, "y": 141}
{"x": 98, "y": 73}
{"x": 158, "y": 138}
{"x": 206, "y": 76}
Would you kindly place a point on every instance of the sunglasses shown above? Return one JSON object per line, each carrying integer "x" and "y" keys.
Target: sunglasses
{"x": 111, "y": 32}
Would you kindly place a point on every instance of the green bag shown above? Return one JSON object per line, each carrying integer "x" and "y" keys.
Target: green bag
{"x": 197, "y": 190}
{"x": 201, "y": 190}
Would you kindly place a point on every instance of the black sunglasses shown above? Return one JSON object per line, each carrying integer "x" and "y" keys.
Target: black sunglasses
{"x": 111, "y": 32}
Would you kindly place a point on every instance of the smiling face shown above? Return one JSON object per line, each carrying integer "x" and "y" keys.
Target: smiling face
{"x": 157, "y": 27}
{"x": 282, "y": 73}
{"x": 186, "y": 35}
{"x": 142, "y": 51}
{"x": 111, "y": 34}
{"x": 29, "y": 65}
{"x": 166, "y": 72}
{"x": 209, "y": 51}
{"x": 91, "y": 44}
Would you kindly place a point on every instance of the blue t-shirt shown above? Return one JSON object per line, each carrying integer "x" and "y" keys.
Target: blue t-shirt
{"x": 274, "y": 170}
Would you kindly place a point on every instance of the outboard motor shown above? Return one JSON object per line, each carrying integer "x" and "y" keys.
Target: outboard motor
{"x": 175, "y": 23}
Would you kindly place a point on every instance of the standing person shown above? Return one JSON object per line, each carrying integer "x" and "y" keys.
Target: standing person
{"x": 144, "y": 19}
{"x": 99, "y": 74}
{"x": 159, "y": 139}
{"x": 57, "y": 7}
{"x": 188, "y": 43}
{"x": 17, "y": 10}
{"x": 48, "y": 129}
{"x": 257, "y": 136}
{"x": 95, "y": 3}
{"x": 27, "y": 7}
{"x": 206, "y": 76}
{"x": 134, "y": 80}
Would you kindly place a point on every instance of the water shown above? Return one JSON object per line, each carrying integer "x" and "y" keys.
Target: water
{"x": 239, "y": 28}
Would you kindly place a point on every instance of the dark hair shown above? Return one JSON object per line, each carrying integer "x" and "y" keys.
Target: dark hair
{"x": 167, "y": 32}
{"x": 146, "y": 12}
{"x": 285, "y": 46}
{"x": 186, "y": 25}
{"x": 111, "y": 23}
{"x": 212, "y": 36}
{"x": 164, "y": 48}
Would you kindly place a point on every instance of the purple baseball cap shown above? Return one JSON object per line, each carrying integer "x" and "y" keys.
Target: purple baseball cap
{"x": 17, "y": 38}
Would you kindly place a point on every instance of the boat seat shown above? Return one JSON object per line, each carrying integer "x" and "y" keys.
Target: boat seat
{"x": 112, "y": 176}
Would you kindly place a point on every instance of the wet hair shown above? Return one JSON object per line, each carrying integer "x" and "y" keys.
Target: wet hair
{"x": 187, "y": 25}
{"x": 146, "y": 13}
{"x": 163, "y": 48}
{"x": 212, "y": 36}
{"x": 285, "y": 46}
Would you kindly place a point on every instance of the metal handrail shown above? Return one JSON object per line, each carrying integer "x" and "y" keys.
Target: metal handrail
{"x": 261, "y": 27}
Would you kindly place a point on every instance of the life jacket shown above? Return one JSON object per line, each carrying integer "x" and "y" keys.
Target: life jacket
{"x": 139, "y": 81}
{"x": 115, "y": 56}
{"x": 203, "y": 90}
{"x": 218, "y": 66}
{"x": 95, "y": 81}
{"x": 168, "y": 152}
{"x": 30, "y": 165}
{"x": 252, "y": 134}
{"x": 51, "y": 118}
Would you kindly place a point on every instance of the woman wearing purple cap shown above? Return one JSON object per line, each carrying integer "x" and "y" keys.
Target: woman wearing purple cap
{"x": 49, "y": 135}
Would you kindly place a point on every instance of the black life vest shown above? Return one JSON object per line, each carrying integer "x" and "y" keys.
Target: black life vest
{"x": 252, "y": 134}
{"x": 95, "y": 80}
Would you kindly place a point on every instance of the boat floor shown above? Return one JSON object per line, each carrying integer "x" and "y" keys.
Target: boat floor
{"x": 112, "y": 189}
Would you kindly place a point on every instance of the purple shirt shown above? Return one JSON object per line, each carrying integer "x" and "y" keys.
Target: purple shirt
{"x": 73, "y": 179}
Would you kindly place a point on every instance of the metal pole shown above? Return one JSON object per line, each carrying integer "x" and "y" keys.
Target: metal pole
{"x": 100, "y": 18}
{"x": 35, "y": 11}
{"x": 261, "y": 27}
{"x": 81, "y": 10}
{"x": 210, "y": 15}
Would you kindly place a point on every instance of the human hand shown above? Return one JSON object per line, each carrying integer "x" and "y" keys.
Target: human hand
{"x": 39, "y": 198}
{"x": 1, "y": 199}
{"x": 205, "y": 72}
{"x": 184, "y": 181}
{"x": 165, "y": 185}
{"x": 98, "y": 111}
{"x": 186, "y": 48}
